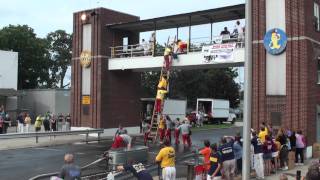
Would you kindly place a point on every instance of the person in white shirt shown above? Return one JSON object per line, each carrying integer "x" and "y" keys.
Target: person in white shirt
{"x": 239, "y": 32}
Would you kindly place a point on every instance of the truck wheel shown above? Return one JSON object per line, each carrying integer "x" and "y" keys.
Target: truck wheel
{"x": 233, "y": 121}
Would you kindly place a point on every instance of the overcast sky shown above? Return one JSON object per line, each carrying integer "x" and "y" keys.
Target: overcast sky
{"x": 45, "y": 16}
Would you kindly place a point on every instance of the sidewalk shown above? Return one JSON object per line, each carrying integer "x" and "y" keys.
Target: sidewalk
{"x": 291, "y": 173}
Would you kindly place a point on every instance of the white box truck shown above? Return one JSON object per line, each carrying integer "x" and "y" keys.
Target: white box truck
{"x": 215, "y": 110}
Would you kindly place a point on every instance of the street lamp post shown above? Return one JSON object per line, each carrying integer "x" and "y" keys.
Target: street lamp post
{"x": 247, "y": 93}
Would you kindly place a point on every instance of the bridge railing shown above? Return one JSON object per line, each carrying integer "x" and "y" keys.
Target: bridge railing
{"x": 195, "y": 45}
{"x": 53, "y": 133}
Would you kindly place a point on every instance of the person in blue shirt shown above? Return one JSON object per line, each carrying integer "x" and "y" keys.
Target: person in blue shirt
{"x": 237, "y": 147}
{"x": 258, "y": 155}
{"x": 138, "y": 170}
{"x": 227, "y": 152}
{"x": 215, "y": 164}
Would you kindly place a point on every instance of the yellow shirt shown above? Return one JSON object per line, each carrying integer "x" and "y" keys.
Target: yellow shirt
{"x": 167, "y": 51}
{"x": 38, "y": 122}
{"x": 162, "y": 124}
{"x": 262, "y": 135}
{"x": 167, "y": 157}
{"x": 160, "y": 94}
{"x": 162, "y": 83}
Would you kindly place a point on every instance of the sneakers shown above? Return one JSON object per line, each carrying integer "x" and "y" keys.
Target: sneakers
{"x": 285, "y": 168}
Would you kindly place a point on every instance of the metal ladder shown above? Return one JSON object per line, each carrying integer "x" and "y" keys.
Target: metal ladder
{"x": 157, "y": 115}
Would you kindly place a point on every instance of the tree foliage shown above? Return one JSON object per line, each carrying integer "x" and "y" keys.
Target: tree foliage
{"x": 193, "y": 84}
{"x": 60, "y": 48}
{"x": 33, "y": 60}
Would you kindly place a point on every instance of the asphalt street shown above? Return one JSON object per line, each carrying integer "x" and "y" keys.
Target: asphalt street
{"x": 28, "y": 162}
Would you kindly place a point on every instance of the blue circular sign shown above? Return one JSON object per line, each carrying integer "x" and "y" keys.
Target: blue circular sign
{"x": 275, "y": 41}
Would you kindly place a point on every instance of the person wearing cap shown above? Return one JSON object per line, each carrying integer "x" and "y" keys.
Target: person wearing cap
{"x": 166, "y": 158}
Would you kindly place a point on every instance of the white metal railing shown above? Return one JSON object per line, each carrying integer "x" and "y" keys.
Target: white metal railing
{"x": 53, "y": 133}
{"x": 145, "y": 49}
{"x": 195, "y": 45}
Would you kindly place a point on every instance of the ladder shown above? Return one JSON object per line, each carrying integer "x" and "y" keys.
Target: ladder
{"x": 154, "y": 128}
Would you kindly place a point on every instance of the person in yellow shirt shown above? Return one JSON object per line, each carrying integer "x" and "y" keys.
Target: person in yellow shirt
{"x": 159, "y": 98}
{"x": 167, "y": 58}
{"x": 161, "y": 128}
{"x": 166, "y": 158}
{"x": 262, "y": 134}
{"x": 163, "y": 83}
{"x": 38, "y": 123}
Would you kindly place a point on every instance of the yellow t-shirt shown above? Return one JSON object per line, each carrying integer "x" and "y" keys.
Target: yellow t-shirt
{"x": 167, "y": 157}
{"x": 162, "y": 124}
{"x": 38, "y": 122}
{"x": 167, "y": 51}
{"x": 162, "y": 83}
{"x": 160, "y": 94}
{"x": 262, "y": 135}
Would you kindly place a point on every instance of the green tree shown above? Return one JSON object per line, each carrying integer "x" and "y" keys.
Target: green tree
{"x": 193, "y": 84}
{"x": 33, "y": 55}
{"x": 60, "y": 48}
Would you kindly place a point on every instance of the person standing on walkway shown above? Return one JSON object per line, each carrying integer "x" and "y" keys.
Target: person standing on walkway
{"x": 214, "y": 172}
{"x": 27, "y": 121}
{"x": 145, "y": 127}
{"x": 228, "y": 159}
{"x": 166, "y": 158}
{"x": 185, "y": 130}
{"x": 258, "y": 156}
{"x": 168, "y": 128}
{"x": 1, "y": 124}
{"x": 177, "y": 131}
{"x": 38, "y": 123}
{"x": 206, "y": 152}
{"x": 69, "y": 170}
{"x": 237, "y": 147}
{"x": 68, "y": 122}
{"x": 300, "y": 145}
{"x": 284, "y": 149}
{"x": 20, "y": 121}
{"x": 53, "y": 123}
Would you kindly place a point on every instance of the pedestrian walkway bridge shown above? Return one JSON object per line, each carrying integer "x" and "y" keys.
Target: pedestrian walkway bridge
{"x": 226, "y": 50}
{"x": 230, "y": 54}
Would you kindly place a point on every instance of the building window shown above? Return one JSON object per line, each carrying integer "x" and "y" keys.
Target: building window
{"x": 316, "y": 17}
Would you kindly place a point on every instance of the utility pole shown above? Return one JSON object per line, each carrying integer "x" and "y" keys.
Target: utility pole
{"x": 247, "y": 92}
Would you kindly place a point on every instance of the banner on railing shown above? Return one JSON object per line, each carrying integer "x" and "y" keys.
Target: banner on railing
{"x": 217, "y": 52}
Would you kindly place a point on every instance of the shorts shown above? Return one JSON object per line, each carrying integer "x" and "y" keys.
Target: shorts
{"x": 169, "y": 173}
{"x": 215, "y": 178}
{"x": 267, "y": 156}
{"x": 275, "y": 154}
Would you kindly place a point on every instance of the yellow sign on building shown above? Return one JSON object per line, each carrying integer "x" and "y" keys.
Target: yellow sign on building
{"x": 85, "y": 59}
{"x": 85, "y": 99}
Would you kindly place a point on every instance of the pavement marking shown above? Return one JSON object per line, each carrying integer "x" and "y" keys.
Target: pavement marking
{"x": 80, "y": 153}
{"x": 48, "y": 149}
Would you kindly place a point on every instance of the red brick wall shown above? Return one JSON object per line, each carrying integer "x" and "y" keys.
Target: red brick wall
{"x": 112, "y": 93}
{"x": 298, "y": 106}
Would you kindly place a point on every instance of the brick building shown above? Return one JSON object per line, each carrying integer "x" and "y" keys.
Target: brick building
{"x": 285, "y": 87}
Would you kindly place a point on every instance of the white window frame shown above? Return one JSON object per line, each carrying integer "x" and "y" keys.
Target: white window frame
{"x": 316, "y": 13}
